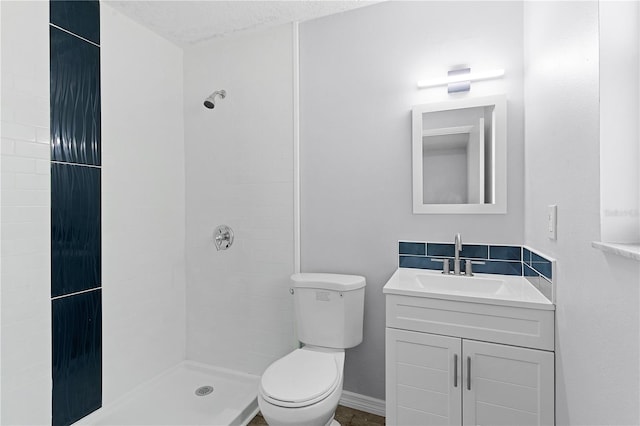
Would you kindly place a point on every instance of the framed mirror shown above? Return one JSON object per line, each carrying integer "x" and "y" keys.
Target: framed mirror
{"x": 460, "y": 156}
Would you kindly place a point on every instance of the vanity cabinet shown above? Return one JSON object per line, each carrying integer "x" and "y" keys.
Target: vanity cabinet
{"x": 437, "y": 379}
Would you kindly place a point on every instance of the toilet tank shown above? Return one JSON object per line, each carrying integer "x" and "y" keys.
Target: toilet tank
{"x": 329, "y": 309}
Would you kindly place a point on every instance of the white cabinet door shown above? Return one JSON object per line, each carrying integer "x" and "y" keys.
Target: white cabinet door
{"x": 423, "y": 379}
{"x": 505, "y": 385}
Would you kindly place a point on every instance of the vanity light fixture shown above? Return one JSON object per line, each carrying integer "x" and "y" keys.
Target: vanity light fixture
{"x": 456, "y": 76}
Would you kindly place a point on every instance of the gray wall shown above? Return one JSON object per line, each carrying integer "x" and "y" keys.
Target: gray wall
{"x": 597, "y": 320}
{"x": 358, "y": 73}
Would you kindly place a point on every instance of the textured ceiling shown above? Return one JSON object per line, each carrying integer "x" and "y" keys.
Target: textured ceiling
{"x": 188, "y": 22}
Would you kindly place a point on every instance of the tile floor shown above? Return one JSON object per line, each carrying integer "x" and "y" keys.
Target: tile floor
{"x": 344, "y": 415}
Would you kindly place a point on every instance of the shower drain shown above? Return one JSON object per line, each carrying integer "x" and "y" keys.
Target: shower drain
{"x": 204, "y": 390}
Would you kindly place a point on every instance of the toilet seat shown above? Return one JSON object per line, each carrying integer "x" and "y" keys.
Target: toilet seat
{"x": 301, "y": 378}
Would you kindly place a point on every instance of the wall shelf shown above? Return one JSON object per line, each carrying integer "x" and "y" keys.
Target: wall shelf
{"x": 630, "y": 251}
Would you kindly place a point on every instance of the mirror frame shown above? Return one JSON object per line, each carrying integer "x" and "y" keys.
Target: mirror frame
{"x": 499, "y": 126}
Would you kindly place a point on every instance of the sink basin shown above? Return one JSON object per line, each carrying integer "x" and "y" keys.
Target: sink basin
{"x": 457, "y": 284}
{"x": 506, "y": 290}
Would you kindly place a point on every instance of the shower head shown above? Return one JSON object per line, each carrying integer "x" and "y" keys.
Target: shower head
{"x": 210, "y": 102}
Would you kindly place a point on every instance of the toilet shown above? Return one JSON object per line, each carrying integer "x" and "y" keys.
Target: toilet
{"x": 304, "y": 386}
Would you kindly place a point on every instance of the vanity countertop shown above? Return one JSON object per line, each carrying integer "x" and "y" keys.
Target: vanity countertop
{"x": 504, "y": 290}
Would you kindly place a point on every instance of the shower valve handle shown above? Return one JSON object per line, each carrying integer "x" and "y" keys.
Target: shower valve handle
{"x": 223, "y": 237}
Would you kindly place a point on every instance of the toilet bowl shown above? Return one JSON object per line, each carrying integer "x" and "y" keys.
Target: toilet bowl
{"x": 302, "y": 388}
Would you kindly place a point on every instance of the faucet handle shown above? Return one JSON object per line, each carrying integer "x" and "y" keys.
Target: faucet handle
{"x": 468, "y": 270}
{"x": 445, "y": 264}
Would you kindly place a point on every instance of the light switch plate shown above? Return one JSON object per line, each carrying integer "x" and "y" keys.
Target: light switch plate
{"x": 552, "y": 222}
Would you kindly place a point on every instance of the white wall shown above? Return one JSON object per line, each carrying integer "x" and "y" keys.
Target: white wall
{"x": 239, "y": 172}
{"x": 358, "y": 74}
{"x": 619, "y": 118}
{"x": 25, "y": 215}
{"x": 142, "y": 218}
{"x": 597, "y": 334}
{"x": 143, "y": 215}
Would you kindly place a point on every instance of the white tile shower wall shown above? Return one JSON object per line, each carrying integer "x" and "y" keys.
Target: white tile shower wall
{"x": 25, "y": 333}
{"x": 597, "y": 318}
{"x": 358, "y": 83}
{"x": 143, "y": 222}
{"x": 239, "y": 172}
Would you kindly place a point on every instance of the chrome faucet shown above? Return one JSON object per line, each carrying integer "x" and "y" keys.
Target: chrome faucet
{"x": 456, "y": 260}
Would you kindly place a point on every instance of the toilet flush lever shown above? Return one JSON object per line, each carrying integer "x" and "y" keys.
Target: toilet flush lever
{"x": 223, "y": 237}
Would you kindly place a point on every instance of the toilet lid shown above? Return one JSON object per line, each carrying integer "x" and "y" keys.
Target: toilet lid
{"x": 301, "y": 378}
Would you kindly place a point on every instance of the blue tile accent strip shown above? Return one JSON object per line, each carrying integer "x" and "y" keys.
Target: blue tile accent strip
{"x": 474, "y": 251}
{"x": 528, "y": 272}
{"x": 75, "y": 123}
{"x": 469, "y": 251}
{"x": 77, "y": 356}
{"x": 498, "y": 259}
{"x": 541, "y": 265}
{"x": 75, "y": 99}
{"x": 505, "y": 252}
{"x": 419, "y": 263}
{"x": 498, "y": 267}
{"x": 439, "y": 249}
{"x": 411, "y": 248}
{"x": 79, "y": 17}
{"x": 75, "y": 228}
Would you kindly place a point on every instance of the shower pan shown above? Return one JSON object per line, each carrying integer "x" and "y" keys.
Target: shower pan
{"x": 188, "y": 394}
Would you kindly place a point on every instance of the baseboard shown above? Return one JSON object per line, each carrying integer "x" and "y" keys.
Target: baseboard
{"x": 363, "y": 403}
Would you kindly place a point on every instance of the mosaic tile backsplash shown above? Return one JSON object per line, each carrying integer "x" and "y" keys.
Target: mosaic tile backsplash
{"x": 486, "y": 258}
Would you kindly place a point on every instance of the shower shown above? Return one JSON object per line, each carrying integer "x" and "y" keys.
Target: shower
{"x": 210, "y": 102}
